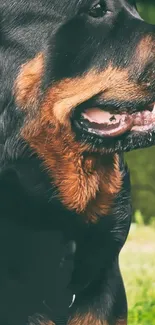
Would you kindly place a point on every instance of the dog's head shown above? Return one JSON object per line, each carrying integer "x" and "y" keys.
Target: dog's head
{"x": 98, "y": 73}
{"x": 92, "y": 90}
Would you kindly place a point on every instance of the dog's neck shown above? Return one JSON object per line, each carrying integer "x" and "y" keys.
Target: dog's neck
{"x": 86, "y": 182}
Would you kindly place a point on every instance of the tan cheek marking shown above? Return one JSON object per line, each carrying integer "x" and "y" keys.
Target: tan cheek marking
{"x": 83, "y": 185}
{"x": 27, "y": 84}
{"x": 144, "y": 52}
{"x": 63, "y": 96}
{"x": 112, "y": 83}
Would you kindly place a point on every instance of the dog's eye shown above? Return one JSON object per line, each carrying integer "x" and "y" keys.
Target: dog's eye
{"x": 97, "y": 11}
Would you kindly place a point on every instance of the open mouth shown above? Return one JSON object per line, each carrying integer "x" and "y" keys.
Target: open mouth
{"x": 108, "y": 131}
{"x": 108, "y": 125}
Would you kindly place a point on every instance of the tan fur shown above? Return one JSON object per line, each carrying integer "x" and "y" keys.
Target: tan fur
{"x": 28, "y": 82}
{"x": 88, "y": 319}
{"x": 145, "y": 50}
{"x": 86, "y": 183}
{"x": 63, "y": 96}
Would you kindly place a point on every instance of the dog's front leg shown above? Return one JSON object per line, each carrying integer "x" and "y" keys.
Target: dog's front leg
{"x": 103, "y": 302}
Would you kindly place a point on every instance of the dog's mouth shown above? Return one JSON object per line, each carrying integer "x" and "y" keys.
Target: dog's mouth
{"x": 105, "y": 124}
{"x": 112, "y": 130}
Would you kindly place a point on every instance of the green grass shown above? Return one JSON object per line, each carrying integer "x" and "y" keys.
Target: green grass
{"x": 138, "y": 268}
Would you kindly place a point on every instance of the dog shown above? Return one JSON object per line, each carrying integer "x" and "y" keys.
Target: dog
{"x": 77, "y": 90}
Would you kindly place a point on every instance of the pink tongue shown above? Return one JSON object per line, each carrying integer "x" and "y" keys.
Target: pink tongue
{"x": 108, "y": 124}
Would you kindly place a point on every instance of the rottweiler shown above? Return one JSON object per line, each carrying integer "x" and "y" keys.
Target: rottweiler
{"x": 77, "y": 90}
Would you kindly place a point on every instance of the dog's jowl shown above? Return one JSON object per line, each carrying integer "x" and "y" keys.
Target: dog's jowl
{"x": 77, "y": 90}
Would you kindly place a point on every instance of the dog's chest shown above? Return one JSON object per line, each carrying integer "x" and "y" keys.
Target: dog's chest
{"x": 36, "y": 267}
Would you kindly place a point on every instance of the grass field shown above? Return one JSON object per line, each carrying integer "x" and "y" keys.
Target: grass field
{"x": 138, "y": 267}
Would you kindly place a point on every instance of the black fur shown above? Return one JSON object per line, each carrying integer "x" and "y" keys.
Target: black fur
{"x": 40, "y": 271}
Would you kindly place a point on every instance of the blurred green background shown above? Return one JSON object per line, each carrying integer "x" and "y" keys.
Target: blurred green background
{"x": 138, "y": 256}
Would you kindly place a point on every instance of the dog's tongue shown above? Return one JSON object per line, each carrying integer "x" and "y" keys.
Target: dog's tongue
{"x": 108, "y": 124}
